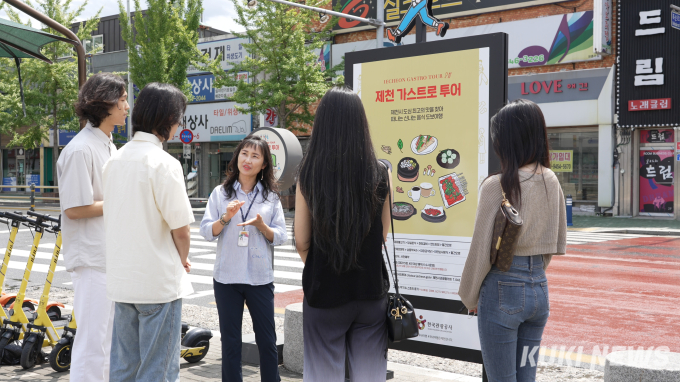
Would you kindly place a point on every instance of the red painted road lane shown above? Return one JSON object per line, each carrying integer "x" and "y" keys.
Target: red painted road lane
{"x": 616, "y": 293}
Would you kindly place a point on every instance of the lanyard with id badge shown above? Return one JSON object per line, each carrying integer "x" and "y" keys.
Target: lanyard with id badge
{"x": 243, "y": 235}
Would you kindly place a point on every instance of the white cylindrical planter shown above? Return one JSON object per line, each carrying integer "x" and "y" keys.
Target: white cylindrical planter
{"x": 293, "y": 350}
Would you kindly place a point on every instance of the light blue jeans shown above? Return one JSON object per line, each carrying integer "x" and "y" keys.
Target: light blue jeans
{"x": 146, "y": 342}
{"x": 513, "y": 309}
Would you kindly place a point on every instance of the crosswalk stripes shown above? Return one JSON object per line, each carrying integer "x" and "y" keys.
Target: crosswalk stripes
{"x": 287, "y": 266}
{"x": 580, "y": 237}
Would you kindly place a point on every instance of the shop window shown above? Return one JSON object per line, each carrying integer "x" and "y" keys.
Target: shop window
{"x": 573, "y": 157}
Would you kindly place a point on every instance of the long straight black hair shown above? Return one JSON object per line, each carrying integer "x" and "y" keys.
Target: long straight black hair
{"x": 339, "y": 178}
{"x": 265, "y": 176}
{"x": 519, "y": 137}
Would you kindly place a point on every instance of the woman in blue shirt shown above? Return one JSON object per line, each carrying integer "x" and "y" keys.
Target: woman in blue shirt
{"x": 245, "y": 216}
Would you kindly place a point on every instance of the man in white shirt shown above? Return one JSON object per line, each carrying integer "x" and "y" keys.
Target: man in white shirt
{"x": 102, "y": 101}
{"x": 147, "y": 215}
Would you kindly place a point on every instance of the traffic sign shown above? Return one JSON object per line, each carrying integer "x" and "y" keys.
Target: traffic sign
{"x": 186, "y": 136}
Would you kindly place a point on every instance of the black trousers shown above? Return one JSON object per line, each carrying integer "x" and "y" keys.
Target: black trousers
{"x": 260, "y": 300}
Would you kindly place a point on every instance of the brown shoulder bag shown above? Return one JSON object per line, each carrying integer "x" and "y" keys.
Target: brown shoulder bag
{"x": 506, "y": 231}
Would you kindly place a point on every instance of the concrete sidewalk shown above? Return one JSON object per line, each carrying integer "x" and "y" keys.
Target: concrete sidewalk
{"x": 209, "y": 369}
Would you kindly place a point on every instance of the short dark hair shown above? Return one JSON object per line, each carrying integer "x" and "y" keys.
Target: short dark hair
{"x": 98, "y": 95}
{"x": 157, "y": 108}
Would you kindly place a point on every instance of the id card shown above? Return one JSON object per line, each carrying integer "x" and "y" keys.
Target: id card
{"x": 243, "y": 239}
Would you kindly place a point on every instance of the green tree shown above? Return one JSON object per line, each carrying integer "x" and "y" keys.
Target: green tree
{"x": 284, "y": 70}
{"x": 163, "y": 42}
{"x": 49, "y": 90}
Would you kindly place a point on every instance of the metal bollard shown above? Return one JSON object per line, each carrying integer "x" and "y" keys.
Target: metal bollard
{"x": 32, "y": 196}
{"x": 569, "y": 206}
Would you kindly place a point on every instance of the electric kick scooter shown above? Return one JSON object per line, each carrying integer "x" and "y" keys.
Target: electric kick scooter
{"x": 42, "y": 332}
{"x": 13, "y": 328}
{"x": 7, "y": 300}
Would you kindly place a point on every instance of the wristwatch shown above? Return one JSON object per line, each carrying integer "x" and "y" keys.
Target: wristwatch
{"x": 224, "y": 223}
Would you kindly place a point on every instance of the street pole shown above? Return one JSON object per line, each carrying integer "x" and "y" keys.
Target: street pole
{"x": 374, "y": 22}
{"x": 131, "y": 95}
{"x": 71, "y": 38}
{"x": 380, "y": 33}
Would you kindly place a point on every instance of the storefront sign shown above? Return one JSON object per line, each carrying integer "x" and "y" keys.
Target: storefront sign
{"x": 656, "y": 181}
{"x": 9, "y": 181}
{"x": 561, "y": 160}
{"x": 271, "y": 119}
{"x": 547, "y": 40}
{"x": 394, "y": 9}
{"x": 575, "y": 85}
{"x": 361, "y": 8}
{"x": 203, "y": 91}
{"x": 229, "y": 51}
{"x": 675, "y": 19}
{"x": 286, "y": 153}
{"x": 602, "y": 35}
{"x": 648, "y": 56}
{"x": 657, "y": 136}
{"x": 649, "y": 104}
{"x": 212, "y": 122}
{"x": 429, "y": 123}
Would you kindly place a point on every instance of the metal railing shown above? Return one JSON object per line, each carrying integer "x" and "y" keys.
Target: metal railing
{"x": 32, "y": 196}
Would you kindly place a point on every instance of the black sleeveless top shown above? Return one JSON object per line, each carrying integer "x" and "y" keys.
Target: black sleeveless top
{"x": 325, "y": 288}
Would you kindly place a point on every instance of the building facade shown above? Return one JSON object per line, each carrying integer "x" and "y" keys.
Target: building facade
{"x": 561, "y": 56}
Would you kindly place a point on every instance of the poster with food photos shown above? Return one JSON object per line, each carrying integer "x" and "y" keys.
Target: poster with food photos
{"x": 429, "y": 123}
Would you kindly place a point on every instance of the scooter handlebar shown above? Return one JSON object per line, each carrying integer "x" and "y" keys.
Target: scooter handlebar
{"x": 43, "y": 216}
{"x": 14, "y": 216}
{"x": 4, "y": 221}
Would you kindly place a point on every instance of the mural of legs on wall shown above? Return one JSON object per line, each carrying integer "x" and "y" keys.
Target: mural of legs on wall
{"x": 422, "y": 8}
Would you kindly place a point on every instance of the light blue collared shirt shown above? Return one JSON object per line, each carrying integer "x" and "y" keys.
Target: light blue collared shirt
{"x": 250, "y": 265}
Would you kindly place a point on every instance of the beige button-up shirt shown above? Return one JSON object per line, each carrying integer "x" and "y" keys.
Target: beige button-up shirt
{"x": 79, "y": 171}
{"x": 145, "y": 198}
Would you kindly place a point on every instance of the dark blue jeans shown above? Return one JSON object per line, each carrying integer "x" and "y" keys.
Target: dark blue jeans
{"x": 513, "y": 309}
{"x": 260, "y": 300}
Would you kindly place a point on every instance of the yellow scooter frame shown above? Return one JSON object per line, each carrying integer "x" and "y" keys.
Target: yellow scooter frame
{"x": 42, "y": 332}
{"x": 13, "y": 328}
{"x": 5, "y": 261}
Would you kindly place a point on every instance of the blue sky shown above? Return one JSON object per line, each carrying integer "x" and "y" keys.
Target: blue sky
{"x": 218, "y": 14}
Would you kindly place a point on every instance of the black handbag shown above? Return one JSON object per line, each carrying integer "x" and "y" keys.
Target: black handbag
{"x": 401, "y": 318}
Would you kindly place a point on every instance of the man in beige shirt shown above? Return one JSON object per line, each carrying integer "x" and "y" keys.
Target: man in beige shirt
{"x": 103, "y": 103}
{"x": 147, "y": 215}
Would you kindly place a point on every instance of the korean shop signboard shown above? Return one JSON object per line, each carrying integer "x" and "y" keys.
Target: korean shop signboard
{"x": 213, "y": 122}
{"x": 648, "y": 61}
{"x": 228, "y": 51}
{"x": 203, "y": 91}
{"x": 395, "y": 9}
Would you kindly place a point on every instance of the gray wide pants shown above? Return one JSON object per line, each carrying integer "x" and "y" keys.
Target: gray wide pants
{"x": 357, "y": 329}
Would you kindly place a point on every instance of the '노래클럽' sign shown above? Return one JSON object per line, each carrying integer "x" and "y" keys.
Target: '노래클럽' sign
{"x": 286, "y": 153}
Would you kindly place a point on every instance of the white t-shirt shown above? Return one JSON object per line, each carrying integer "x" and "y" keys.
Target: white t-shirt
{"x": 79, "y": 173}
{"x": 146, "y": 198}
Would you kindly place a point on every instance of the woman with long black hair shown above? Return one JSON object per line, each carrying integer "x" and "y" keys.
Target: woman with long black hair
{"x": 513, "y": 306}
{"x": 245, "y": 216}
{"x": 341, "y": 220}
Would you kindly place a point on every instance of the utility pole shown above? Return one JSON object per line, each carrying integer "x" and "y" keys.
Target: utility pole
{"x": 131, "y": 94}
